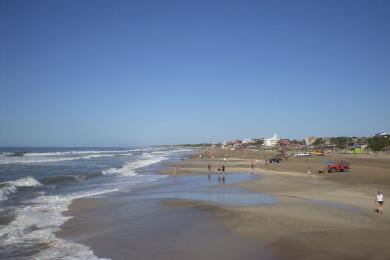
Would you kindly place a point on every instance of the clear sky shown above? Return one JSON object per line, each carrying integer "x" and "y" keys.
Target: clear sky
{"x": 119, "y": 73}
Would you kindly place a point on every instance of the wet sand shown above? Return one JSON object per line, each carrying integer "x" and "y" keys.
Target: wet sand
{"x": 125, "y": 226}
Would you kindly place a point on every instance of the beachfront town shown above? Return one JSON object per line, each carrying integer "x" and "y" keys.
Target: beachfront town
{"x": 377, "y": 143}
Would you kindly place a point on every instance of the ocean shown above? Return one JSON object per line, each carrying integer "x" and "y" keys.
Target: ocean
{"x": 38, "y": 184}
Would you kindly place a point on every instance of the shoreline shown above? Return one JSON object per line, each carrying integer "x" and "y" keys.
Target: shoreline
{"x": 317, "y": 216}
{"x": 136, "y": 225}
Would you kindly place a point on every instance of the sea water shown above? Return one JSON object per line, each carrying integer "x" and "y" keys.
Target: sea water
{"x": 38, "y": 184}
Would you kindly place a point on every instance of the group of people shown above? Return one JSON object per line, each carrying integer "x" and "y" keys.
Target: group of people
{"x": 221, "y": 169}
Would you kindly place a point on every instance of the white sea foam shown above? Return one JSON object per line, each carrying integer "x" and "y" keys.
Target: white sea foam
{"x": 47, "y": 159}
{"x": 62, "y": 249}
{"x": 50, "y": 157}
{"x": 37, "y": 222}
{"x": 110, "y": 171}
{"x": 76, "y": 152}
{"x": 126, "y": 154}
{"x": 129, "y": 168}
{"x": 26, "y": 182}
{"x": 10, "y": 187}
{"x": 6, "y": 191}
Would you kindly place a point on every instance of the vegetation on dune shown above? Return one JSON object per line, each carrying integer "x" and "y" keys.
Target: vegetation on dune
{"x": 378, "y": 143}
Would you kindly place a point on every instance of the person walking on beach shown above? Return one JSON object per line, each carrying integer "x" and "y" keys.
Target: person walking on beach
{"x": 223, "y": 168}
{"x": 379, "y": 201}
{"x": 209, "y": 167}
{"x": 252, "y": 165}
{"x": 219, "y": 173}
{"x": 309, "y": 171}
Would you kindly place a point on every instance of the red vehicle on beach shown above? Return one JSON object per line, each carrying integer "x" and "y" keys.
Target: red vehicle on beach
{"x": 342, "y": 166}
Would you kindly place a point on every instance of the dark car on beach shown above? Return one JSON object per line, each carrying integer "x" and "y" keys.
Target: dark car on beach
{"x": 275, "y": 160}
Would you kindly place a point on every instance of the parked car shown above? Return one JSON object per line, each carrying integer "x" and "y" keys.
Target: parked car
{"x": 275, "y": 160}
{"x": 342, "y": 166}
{"x": 317, "y": 153}
{"x": 301, "y": 154}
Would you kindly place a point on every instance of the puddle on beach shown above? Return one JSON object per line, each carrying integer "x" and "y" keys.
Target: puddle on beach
{"x": 200, "y": 188}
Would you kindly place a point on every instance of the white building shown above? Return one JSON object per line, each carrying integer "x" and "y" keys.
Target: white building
{"x": 273, "y": 141}
{"x": 383, "y": 134}
{"x": 309, "y": 140}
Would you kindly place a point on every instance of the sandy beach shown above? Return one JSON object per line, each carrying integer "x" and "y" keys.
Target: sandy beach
{"x": 321, "y": 216}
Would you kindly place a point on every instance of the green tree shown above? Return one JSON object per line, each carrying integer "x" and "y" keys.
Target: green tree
{"x": 318, "y": 141}
{"x": 341, "y": 142}
{"x": 377, "y": 143}
{"x": 258, "y": 142}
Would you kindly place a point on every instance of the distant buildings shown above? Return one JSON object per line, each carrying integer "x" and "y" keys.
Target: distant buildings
{"x": 232, "y": 144}
{"x": 284, "y": 142}
{"x": 350, "y": 144}
{"x": 248, "y": 141}
{"x": 309, "y": 140}
{"x": 272, "y": 141}
{"x": 383, "y": 134}
{"x": 297, "y": 144}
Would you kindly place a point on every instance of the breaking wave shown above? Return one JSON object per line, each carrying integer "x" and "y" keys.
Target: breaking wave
{"x": 47, "y": 159}
{"x": 34, "y": 220}
{"x": 129, "y": 168}
{"x": 9, "y": 187}
{"x": 39, "y": 219}
{"x": 77, "y": 152}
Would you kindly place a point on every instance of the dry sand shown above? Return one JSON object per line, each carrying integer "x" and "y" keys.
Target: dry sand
{"x": 320, "y": 216}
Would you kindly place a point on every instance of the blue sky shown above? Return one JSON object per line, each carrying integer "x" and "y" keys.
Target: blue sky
{"x": 119, "y": 73}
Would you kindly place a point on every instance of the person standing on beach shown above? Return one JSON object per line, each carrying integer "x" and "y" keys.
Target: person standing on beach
{"x": 209, "y": 175}
{"x": 379, "y": 201}
{"x": 252, "y": 165}
{"x": 309, "y": 171}
{"x": 223, "y": 168}
{"x": 219, "y": 172}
